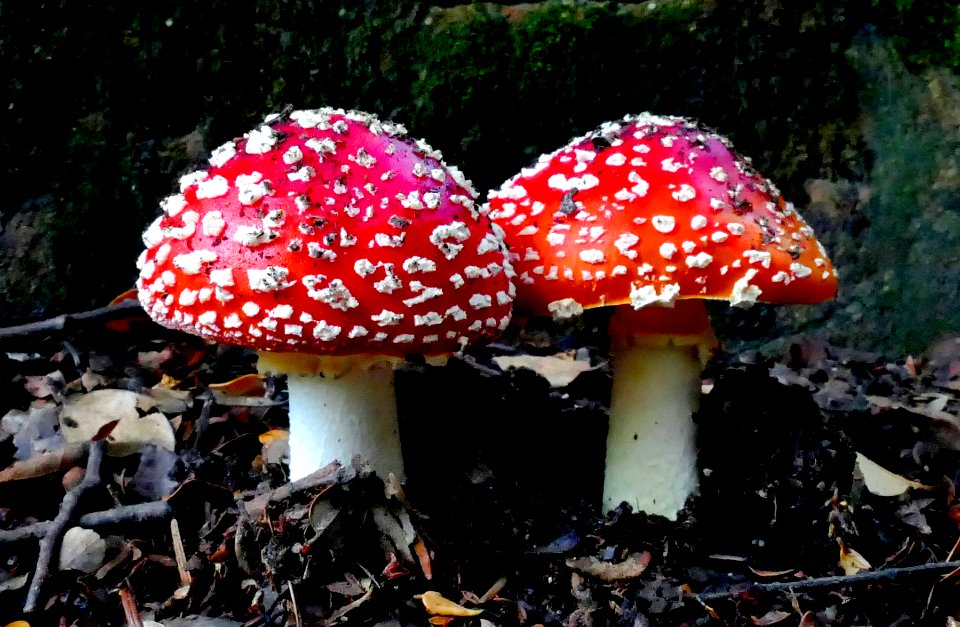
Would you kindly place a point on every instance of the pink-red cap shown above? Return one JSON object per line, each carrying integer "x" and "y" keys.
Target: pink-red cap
{"x": 327, "y": 232}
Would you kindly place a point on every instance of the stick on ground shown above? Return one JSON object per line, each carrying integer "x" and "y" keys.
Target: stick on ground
{"x": 50, "y": 544}
{"x": 141, "y": 512}
{"x": 839, "y": 581}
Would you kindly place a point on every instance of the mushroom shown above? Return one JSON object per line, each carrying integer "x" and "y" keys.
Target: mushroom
{"x": 651, "y": 214}
{"x": 336, "y": 246}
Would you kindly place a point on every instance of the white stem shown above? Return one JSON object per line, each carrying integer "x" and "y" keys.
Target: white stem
{"x": 651, "y": 447}
{"x": 338, "y": 418}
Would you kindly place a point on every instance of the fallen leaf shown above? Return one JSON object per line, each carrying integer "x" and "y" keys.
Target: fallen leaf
{"x": 559, "y": 370}
{"x": 632, "y": 566}
{"x": 851, "y": 561}
{"x": 44, "y": 386}
{"x": 423, "y": 555}
{"x": 245, "y": 385}
{"x": 15, "y": 583}
{"x": 44, "y": 464}
{"x": 880, "y": 481}
{"x": 91, "y": 380}
{"x": 436, "y": 604}
{"x": 85, "y": 416}
{"x": 770, "y": 618}
{"x": 168, "y": 400}
{"x": 771, "y": 573}
{"x": 82, "y": 549}
{"x": 274, "y": 435}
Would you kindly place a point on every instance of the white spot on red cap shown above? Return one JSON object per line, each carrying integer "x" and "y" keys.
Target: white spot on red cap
{"x": 260, "y": 140}
{"x": 744, "y": 294}
{"x": 269, "y": 279}
{"x": 700, "y": 260}
{"x": 663, "y": 224}
{"x": 685, "y": 193}
{"x": 645, "y": 295}
{"x": 192, "y": 262}
{"x": 223, "y": 153}
{"x": 564, "y": 308}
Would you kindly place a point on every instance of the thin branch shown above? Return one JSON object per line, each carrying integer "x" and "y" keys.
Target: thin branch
{"x": 65, "y": 322}
{"x": 50, "y": 544}
{"x": 329, "y": 475}
{"x": 839, "y": 581}
{"x": 141, "y": 512}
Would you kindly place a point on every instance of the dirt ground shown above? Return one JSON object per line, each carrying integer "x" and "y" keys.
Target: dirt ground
{"x": 827, "y": 492}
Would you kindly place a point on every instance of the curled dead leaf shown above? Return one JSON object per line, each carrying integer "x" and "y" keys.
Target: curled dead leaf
{"x": 851, "y": 561}
{"x": 44, "y": 464}
{"x": 436, "y": 604}
{"x": 244, "y": 385}
{"x": 632, "y": 566}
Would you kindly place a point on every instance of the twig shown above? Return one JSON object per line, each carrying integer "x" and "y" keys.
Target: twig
{"x": 141, "y": 512}
{"x": 50, "y": 544}
{"x": 293, "y": 603}
{"x": 65, "y": 322}
{"x": 840, "y": 581}
{"x": 180, "y": 554}
{"x": 329, "y": 475}
{"x": 130, "y": 611}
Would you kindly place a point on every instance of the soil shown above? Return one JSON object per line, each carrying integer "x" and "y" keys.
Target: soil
{"x": 499, "y": 512}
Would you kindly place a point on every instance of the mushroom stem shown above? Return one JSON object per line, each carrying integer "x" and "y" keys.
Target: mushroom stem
{"x": 338, "y": 417}
{"x": 651, "y": 443}
{"x": 340, "y": 407}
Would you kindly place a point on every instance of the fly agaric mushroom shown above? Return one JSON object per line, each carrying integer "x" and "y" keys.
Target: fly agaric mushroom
{"x": 336, "y": 246}
{"x": 654, "y": 213}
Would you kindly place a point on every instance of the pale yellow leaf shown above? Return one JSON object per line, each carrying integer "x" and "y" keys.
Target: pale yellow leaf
{"x": 559, "y": 370}
{"x": 114, "y": 415}
{"x": 851, "y": 561}
{"x": 881, "y": 481}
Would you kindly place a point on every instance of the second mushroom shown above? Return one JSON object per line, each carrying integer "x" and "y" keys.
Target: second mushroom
{"x": 650, "y": 214}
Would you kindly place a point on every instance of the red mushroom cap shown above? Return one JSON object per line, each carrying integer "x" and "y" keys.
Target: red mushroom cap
{"x": 652, "y": 209}
{"x": 327, "y": 232}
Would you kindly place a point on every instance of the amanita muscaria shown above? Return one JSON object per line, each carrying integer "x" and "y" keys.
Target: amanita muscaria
{"x": 651, "y": 214}
{"x": 336, "y": 246}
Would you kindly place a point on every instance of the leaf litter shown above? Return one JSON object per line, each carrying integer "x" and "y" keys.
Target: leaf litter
{"x": 827, "y": 494}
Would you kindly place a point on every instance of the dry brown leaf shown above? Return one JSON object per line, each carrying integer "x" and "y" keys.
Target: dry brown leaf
{"x": 168, "y": 400}
{"x": 880, "y": 481}
{"x": 559, "y": 370}
{"x": 771, "y": 573}
{"x": 44, "y": 464}
{"x": 82, "y": 549}
{"x": 85, "y": 416}
{"x": 436, "y": 604}
{"x": 423, "y": 556}
{"x": 632, "y": 566}
{"x": 770, "y": 618}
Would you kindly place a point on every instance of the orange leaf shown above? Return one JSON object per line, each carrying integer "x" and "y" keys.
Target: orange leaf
{"x": 274, "y": 435}
{"x": 423, "y": 556}
{"x": 435, "y": 603}
{"x": 245, "y": 385}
